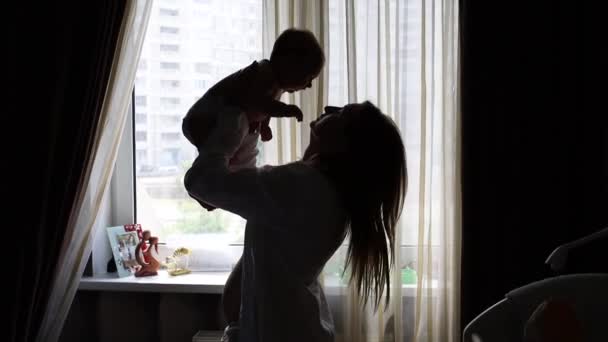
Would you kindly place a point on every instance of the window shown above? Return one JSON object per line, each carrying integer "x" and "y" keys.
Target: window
{"x": 140, "y": 100}
{"x": 171, "y": 136}
{"x": 169, "y": 84}
{"x": 141, "y": 118}
{"x": 203, "y": 68}
{"x": 169, "y": 157}
{"x": 141, "y": 136}
{"x": 225, "y": 70}
{"x": 169, "y": 12}
{"x": 224, "y": 54}
{"x": 170, "y": 120}
{"x": 140, "y": 81}
{"x": 169, "y": 66}
{"x": 169, "y": 100}
{"x": 241, "y": 58}
{"x": 141, "y": 157}
{"x": 237, "y": 24}
{"x": 169, "y": 47}
{"x": 169, "y": 30}
{"x": 143, "y": 65}
{"x": 200, "y": 84}
{"x": 162, "y": 154}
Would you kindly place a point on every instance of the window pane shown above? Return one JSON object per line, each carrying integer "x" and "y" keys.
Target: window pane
{"x": 169, "y": 47}
{"x": 169, "y": 84}
{"x": 141, "y": 118}
{"x": 169, "y": 29}
{"x": 179, "y": 62}
{"x": 169, "y": 12}
{"x": 141, "y": 136}
{"x": 203, "y": 68}
{"x": 140, "y": 100}
{"x": 169, "y": 66}
{"x": 143, "y": 64}
{"x": 201, "y": 84}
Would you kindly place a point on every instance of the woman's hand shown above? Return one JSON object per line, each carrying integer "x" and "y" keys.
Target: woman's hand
{"x": 255, "y": 120}
{"x": 332, "y": 109}
{"x": 260, "y": 125}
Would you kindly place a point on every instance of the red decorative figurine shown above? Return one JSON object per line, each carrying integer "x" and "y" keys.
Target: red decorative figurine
{"x": 146, "y": 253}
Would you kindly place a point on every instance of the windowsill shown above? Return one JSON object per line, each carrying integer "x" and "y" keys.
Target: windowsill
{"x": 195, "y": 282}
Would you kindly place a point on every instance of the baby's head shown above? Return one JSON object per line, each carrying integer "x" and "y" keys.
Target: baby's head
{"x": 297, "y": 59}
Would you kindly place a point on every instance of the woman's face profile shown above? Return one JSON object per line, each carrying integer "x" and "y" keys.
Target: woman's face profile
{"x": 327, "y": 133}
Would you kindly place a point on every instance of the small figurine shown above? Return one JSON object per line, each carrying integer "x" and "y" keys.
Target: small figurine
{"x": 147, "y": 256}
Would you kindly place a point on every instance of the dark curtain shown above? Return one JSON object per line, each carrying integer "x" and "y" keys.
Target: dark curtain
{"x": 60, "y": 56}
{"x": 535, "y": 141}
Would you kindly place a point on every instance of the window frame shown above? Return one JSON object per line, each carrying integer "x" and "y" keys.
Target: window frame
{"x": 123, "y": 185}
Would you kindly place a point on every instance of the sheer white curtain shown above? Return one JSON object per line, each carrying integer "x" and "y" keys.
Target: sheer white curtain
{"x": 402, "y": 55}
{"x": 289, "y": 136}
{"x": 77, "y": 242}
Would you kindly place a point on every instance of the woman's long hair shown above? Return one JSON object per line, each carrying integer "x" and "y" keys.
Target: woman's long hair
{"x": 372, "y": 180}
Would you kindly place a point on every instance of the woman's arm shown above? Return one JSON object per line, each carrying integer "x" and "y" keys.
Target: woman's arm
{"x": 211, "y": 180}
{"x": 231, "y": 298}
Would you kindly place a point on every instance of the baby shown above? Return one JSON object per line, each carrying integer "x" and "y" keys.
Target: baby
{"x": 296, "y": 59}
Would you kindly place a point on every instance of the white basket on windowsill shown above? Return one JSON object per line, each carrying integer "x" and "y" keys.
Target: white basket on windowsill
{"x": 177, "y": 264}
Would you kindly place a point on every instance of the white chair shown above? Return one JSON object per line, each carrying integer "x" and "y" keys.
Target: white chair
{"x": 559, "y": 256}
{"x": 588, "y": 292}
{"x": 505, "y": 320}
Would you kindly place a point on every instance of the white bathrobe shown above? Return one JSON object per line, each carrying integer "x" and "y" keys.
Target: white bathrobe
{"x": 295, "y": 223}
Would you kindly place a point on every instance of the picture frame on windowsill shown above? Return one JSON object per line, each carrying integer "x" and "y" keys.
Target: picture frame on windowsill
{"x": 123, "y": 242}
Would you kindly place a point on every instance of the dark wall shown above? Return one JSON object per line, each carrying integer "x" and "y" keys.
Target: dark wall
{"x": 104, "y": 316}
{"x": 58, "y": 63}
{"x": 535, "y": 141}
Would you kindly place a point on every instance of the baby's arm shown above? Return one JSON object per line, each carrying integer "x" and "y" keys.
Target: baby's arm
{"x": 272, "y": 108}
{"x": 277, "y": 109}
{"x": 257, "y": 89}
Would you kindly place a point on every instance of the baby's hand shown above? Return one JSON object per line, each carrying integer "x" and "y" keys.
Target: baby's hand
{"x": 293, "y": 111}
{"x": 265, "y": 131}
{"x": 283, "y": 110}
